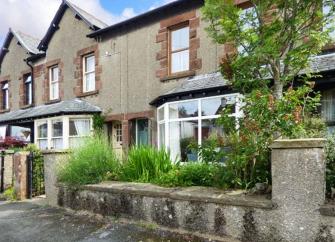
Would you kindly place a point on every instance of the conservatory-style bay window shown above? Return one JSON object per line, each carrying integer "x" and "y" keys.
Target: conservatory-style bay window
{"x": 62, "y": 132}
{"x": 186, "y": 124}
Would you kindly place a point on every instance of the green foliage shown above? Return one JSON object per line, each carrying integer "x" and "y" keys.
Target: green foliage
{"x": 90, "y": 163}
{"x": 330, "y": 165}
{"x": 145, "y": 164}
{"x": 10, "y": 194}
{"x": 98, "y": 122}
{"x": 38, "y": 168}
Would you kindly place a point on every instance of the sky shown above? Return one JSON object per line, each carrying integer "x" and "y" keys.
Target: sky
{"x": 34, "y": 16}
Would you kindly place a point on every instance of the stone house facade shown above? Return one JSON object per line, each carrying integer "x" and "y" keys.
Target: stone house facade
{"x": 154, "y": 77}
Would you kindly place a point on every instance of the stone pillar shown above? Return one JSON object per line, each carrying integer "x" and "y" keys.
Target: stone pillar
{"x": 20, "y": 174}
{"x": 298, "y": 186}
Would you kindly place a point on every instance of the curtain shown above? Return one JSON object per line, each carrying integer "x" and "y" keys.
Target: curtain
{"x": 82, "y": 127}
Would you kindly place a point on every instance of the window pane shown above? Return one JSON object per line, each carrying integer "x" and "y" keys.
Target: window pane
{"x": 142, "y": 132}
{"x": 43, "y": 144}
{"x": 54, "y": 90}
{"x": 54, "y": 74}
{"x": 180, "y": 61}
{"x": 214, "y": 106}
{"x": 90, "y": 82}
{"x": 57, "y": 143}
{"x": 183, "y": 110}
{"x": 161, "y": 136}
{"x": 57, "y": 128}
{"x": 76, "y": 142}
{"x": 80, "y": 127}
{"x": 42, "y": 130}
{"x": 20, "y": 133}
{"x": 328, "y": 105}
{"x": 90, "y": 63}
{"x": 183, "y": 138}
{"x": 180, "y": 39}
{"x": 28, "y": 93}
{"x": 161, "y": 114}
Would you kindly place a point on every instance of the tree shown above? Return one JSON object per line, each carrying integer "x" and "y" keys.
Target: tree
{"x": 274, "y": 41}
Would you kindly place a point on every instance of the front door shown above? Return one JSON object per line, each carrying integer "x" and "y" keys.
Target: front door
{"x": 117, "y": 138}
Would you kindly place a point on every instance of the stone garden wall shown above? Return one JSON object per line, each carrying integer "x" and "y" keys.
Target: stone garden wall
{"x": 296, "y": 211}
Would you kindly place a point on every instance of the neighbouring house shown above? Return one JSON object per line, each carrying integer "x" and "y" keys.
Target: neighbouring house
{"x": 155, "y": 77}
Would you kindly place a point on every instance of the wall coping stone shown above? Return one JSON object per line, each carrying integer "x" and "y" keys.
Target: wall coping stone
{"x": 197, "y": 194}
{"x": 46, "y": 152}
{"x": 327, "y": 210}
{"x": 298, "y": 143}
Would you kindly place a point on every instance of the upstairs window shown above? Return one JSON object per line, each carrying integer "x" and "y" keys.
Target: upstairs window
{"x": 54, "y": 82}
{"x": 89, "y": 73}
{"x": 28, "y": 90}
{"x": 179, "y": 49}
{"x": 5, "y": 96}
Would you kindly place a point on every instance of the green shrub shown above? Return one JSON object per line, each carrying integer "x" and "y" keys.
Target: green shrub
{"x": 9, "y": 194}
{"x": 145, "y": 164}
{"x": 38, "y": 168}
{"x": 90, "y": 163}
{"x": 330, "y": 165}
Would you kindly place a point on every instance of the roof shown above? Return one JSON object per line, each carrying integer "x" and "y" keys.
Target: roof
{"x": 202, "y": 83}
{"x": 28, "y": 42}
{"x": 90, "y": 20}
{"x": 74, "y": 106}
{"x": 160, "y": 12}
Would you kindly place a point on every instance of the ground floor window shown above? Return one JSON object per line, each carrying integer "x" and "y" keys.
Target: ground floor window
{"x": 328, "y": 109}
{"x": 62, "y": 132}
{"x": 185, "y": 123}
{"x": 139, "y": 132}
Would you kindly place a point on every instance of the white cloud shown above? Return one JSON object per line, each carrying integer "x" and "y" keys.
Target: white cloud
{"x": 34, "y": 16}
{"x": 160, "y": 3}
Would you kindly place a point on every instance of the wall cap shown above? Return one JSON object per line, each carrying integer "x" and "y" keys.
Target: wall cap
{"x": 197, "y": 194}
{"x": 298, "y": 143}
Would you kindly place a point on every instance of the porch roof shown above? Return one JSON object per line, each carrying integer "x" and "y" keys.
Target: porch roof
{"x": 74, "y": 106}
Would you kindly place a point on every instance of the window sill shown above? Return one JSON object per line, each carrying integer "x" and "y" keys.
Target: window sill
{"x": 85, "y": 94}
{"x": 53, "y": 101}
{"x": 178, "y": 75}
{"x": 27, "y": 106}
{"x": 4, "y": 110}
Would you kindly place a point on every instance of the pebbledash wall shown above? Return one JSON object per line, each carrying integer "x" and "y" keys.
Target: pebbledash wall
{"x": 296, "y": 212}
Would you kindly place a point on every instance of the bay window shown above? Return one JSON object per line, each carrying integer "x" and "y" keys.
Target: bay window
{"x": 62, "y": 132}
{"x": 54, "y": 82}
{"x": 89, "y": 73}
{"x": 186, "y": 124}
{"x": 179, "y": 49}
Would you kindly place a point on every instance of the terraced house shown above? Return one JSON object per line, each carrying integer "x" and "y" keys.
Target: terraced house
{"x": 155, "y": 78}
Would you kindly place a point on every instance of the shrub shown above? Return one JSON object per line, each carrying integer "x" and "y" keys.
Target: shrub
{"x": 330, "y": 165}
{"x": 38, "y": 168}
{"x": 9, "y": 194}
{"x": 145, "y": 164}
{"x": 90, "y": 163}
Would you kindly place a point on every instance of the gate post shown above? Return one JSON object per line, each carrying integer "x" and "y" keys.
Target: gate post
{"x": 20, "y": 175}
{"x": 2, "y": 185}
{"x": 30, "y": 160}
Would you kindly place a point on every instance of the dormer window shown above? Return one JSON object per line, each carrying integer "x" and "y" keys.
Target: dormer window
{"x": 89, "y": 73}
{"x": 179, "y": 49}
{"x": 5, "y": 95}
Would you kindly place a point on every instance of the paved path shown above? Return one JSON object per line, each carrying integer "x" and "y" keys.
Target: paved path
{"x": 33, "y": 221}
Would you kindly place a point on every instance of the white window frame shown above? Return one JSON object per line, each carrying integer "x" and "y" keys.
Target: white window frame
{"x": 171, "y": 52}
{"x": 53, "y": 82}
{"x": 66, "y": 129}
{"x": 28, "y": 84}
{"x": 85, "y": 73}
{"x": 166, "y": 121}
{"x": 5, "y": 90}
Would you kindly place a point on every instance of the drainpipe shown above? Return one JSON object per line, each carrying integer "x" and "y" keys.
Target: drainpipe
{"x": 32, "y": 81}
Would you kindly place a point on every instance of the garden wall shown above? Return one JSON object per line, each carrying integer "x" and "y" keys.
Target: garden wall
{"x": 296, "y": 211}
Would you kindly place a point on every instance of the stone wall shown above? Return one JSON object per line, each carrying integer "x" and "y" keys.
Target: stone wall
{"x": 52, "y": 161}
{"x": 296, "y": 211}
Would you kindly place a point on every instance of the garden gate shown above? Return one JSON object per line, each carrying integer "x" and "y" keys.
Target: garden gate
{"x": 35, "y": 175}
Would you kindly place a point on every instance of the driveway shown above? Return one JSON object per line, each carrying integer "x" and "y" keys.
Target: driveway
{"x": 34, "y": 221}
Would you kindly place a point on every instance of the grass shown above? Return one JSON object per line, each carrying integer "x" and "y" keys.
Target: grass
{"x": 93, "y": 162}
{"x": 145, "y": 164}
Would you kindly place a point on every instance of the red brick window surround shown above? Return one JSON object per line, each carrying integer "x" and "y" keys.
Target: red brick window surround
{"x": 188, "y": 20}
{"x": 5, "y": 94}
{"x": 87, "y": 68}
{"x": 53, "y": 75}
